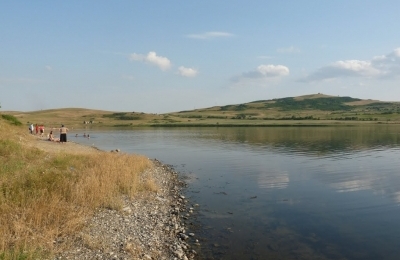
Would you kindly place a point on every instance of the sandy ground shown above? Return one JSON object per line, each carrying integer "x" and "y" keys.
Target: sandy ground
{"x": 70, "y": 147}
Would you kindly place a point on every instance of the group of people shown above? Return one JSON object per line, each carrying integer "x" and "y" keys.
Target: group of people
{"x": 84, "y": 135}
{"x": 63, "y": 133}
{"x": 40, "y": 128}
{"x": 36, "y": 129}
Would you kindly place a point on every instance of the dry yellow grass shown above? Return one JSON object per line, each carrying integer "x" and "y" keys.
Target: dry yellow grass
{"x": 362, "y": 102}
{"x": 45, "y": 195}
{"x": 75, "y": 117}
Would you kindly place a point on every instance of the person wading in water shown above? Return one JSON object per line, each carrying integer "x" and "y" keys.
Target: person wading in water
{"x": 63, "y": 134}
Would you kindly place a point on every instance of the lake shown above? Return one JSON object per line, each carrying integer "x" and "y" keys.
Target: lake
{"x": 281, "y": 192}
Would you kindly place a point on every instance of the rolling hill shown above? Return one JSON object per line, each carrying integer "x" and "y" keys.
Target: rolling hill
{"x": 317, "y": 109}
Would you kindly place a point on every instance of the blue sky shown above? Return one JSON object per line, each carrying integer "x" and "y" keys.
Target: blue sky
{"x": 166, "y": 56}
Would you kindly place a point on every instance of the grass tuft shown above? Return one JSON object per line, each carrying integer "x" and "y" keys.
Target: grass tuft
{"x": 48, "y": 195}
{"x": 11, "y": 119}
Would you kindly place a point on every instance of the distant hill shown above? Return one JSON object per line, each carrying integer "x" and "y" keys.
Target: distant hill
{"x": 308, "y": 102}
{"x": 308, "y": 107}
{"x": 316, "y": 109}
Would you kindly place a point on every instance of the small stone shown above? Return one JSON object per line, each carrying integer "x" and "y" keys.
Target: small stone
{"x": 179, "y": 253}
{"x": 127, "y": 209}
{"x": 183, "y": 236}
{"x": 130, "y": 228}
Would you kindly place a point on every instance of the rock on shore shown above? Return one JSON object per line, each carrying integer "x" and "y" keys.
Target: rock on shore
{"x": 148, "y": 226}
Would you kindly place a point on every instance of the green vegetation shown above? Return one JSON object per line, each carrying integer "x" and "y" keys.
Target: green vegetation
{"x": 240, "y": 107}
{"x": 12, "y": 119}
{"x": 192, "y": 116}
{"x": 324, "y": 104}
{"x": 123, "y": 116}
{"x": 293, "y": 118}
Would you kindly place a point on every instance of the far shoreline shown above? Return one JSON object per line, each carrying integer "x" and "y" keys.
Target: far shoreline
{"x": 74, "y": 126}
{"x": 288, "y": 124}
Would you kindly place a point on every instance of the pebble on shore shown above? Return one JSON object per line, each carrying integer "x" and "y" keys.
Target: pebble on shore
{"x": 147, "y": 227}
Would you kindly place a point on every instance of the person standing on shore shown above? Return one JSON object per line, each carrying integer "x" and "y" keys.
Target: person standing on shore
{"x": 41, "y": 129}
{"x": 63, "y": 134}
{"x": 31, "y": 129}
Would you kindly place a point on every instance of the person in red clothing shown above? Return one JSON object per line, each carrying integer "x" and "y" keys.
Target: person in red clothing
{"x": 36, "y": 128}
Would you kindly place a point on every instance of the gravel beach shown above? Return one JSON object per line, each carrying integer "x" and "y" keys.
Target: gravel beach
{"x": 149, "y": 226}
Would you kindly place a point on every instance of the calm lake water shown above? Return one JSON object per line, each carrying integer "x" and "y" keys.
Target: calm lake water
{"x": 281, "y": 192}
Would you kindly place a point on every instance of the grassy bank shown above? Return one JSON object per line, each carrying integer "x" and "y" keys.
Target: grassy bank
{"x": 45, "y": 195}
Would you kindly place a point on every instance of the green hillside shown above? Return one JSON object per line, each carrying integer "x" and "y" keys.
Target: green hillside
{"x": 317, "y": 109}
{"x": 311, "y": 107}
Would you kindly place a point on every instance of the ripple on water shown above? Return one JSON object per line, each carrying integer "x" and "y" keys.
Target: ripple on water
{"x": 328, "y": 193}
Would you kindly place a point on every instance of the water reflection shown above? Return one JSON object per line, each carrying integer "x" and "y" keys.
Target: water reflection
{"x": 313, "y": 141}
{"x": 283, "y": 192}
{"x": 273, "y": 180}
{"x": 352, "y": 185}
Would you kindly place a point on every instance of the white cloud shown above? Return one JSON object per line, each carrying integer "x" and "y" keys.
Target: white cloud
{"x": 353, "y": 65}
{"x": 396, "y": 52}
{"x": 48, "y": 68}
{"x": 162, "y": 62}
{"x": 382, "y": 66}
{"x": 264, "y": 72}
{"x": 210, "y": 35}
{"x": 356, "y": 68}
{"x": 379, "y": 57}
{"x": 348, "y": 68}
{"x": 389, "y": 64}
{"x": 290, "y": 49}
{"x": 187, "y": 72}
{"x": 273, "y": 70}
